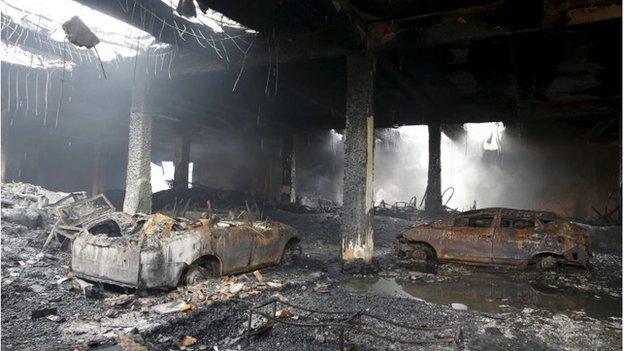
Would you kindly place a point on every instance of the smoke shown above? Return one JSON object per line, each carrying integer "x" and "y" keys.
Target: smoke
{"x": 470, "y": 166}
{"x": 485, "y": 167}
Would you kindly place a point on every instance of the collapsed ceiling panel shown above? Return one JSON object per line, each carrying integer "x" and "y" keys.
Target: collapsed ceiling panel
{"x": 45, "y": 18}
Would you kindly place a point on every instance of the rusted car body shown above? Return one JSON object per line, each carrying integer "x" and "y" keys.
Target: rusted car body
{"x": 158, "y": 251}
{"x": 499, "y": 236}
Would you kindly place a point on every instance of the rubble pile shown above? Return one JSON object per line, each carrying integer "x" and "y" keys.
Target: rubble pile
{"x": 28, "y": 195}
{"x": 28, "y": 204}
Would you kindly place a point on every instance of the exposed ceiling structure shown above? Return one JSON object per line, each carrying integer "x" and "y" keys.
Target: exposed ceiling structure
{"x": 455, "y": 61}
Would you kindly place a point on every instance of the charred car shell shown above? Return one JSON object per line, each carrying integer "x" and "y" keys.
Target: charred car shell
{"x": 499, "y": 236}
{"x": 157, "y": 251}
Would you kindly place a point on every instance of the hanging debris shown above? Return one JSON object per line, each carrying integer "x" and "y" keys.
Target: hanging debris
{"x": 186, "y": 8}
{"x": 80, "y": 35}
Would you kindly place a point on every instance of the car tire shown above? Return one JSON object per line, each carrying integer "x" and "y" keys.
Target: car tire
{"x": 423, "y": 252}
{"x": 547, "y": 263}
{"x": 196, "y": 274}
{"x": 291, "y": 251}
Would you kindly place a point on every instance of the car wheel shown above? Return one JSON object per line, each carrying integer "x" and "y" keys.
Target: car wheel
{"x": 422, "y": 252}
{"x": 291, "y": 251}
{"x": 547, "y": 263}
{"x": 196, "y": 274}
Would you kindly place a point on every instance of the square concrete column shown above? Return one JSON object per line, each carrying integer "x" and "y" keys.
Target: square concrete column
{"x": 181, "y": 162}
{"x": 357, "y": 208}
{"x": 433, "y": 200}
{"x": 289, "y": 171}
{"x": 138, "y": 186}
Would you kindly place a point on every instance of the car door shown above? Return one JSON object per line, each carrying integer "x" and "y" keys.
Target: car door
{"x": 470, "y": 238}
{"x": 515, "y": 238}
{"x": 233, "y": 246}
{"x": 267, "y": 247}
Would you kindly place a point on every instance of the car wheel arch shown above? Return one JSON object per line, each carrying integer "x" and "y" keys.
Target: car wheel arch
{"x": 209, "y": 257}
{"x": 293, "y": 240}
{"x": 431, "y": 246}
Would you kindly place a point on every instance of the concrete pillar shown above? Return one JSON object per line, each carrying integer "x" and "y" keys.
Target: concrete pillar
{"x": 98, "y": 169}
{"x": 433, "y": 200}
{"x": 289, "y": 170}
{"x": 181, "y": 161}
{"x": 357, "y": 208}
{"x": 138, "y": 187}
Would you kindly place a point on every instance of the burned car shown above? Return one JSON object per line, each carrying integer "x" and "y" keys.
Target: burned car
{"x": 498, "y": 236}
{"x": 158, "y": 251}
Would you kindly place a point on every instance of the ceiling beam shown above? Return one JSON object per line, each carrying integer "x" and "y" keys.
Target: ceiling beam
{"x": 157, "y": 18}
{"x": 425, "y": 30}
{"x": 497, "y": 19}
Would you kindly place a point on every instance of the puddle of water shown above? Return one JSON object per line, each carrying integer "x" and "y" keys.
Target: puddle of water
{"x": 488, "y": 292}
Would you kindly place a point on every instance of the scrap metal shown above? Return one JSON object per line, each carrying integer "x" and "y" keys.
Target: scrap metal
{"x": 72, "y": 216}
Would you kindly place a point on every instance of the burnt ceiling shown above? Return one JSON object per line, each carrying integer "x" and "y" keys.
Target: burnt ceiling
{"x": 453, "y": 61}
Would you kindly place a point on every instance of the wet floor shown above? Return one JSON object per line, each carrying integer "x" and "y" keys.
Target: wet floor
{"x": 491, "y": 293}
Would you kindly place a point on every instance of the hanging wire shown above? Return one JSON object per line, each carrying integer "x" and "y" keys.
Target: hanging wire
{"x": 101, "y": 63}
{"x": 60, "y": 101}
{"x": 240, "y": 72}
{"x": 26, "y": 88}
{"x": 37, "y": 94}
{"x": 9, "y": 91}
{"x": 17, "y": 100}
{"x": 266, "y": 87}
{"x": 47, "y": 85}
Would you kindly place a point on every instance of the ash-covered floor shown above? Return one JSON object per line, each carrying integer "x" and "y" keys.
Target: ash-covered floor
{"x": 483, "y": 308}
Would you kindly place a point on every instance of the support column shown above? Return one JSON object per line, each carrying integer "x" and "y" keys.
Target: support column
{"x": 138, "y": 186}
{"x": 288, "y": 193}
{"x": 357, "y": 208}
{"x": 181, "y": 162}
{"x": 433, "y": 200}
{"x": 98, "y": 169}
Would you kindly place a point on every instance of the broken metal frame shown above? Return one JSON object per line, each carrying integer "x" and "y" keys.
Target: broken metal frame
{"x": 347, "y": 320}
{"x": 606, "y": 216}
{"x": 69, "y": 228}
{"x": 410, "y": 209}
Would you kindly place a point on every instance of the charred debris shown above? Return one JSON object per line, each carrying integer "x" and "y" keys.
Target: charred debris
{"x": 311, "y": 175}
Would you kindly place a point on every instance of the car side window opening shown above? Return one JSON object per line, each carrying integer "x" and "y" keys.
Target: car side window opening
{"x": 516, "y": 223}
{"x": 475, "y": 222}
{"x": 523, "y": 224}
{"x": 480, "y": 222}
{"x": 461, "y": 222}
{"x": 506, "y": 223}
{"x": 546, "y": 218}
